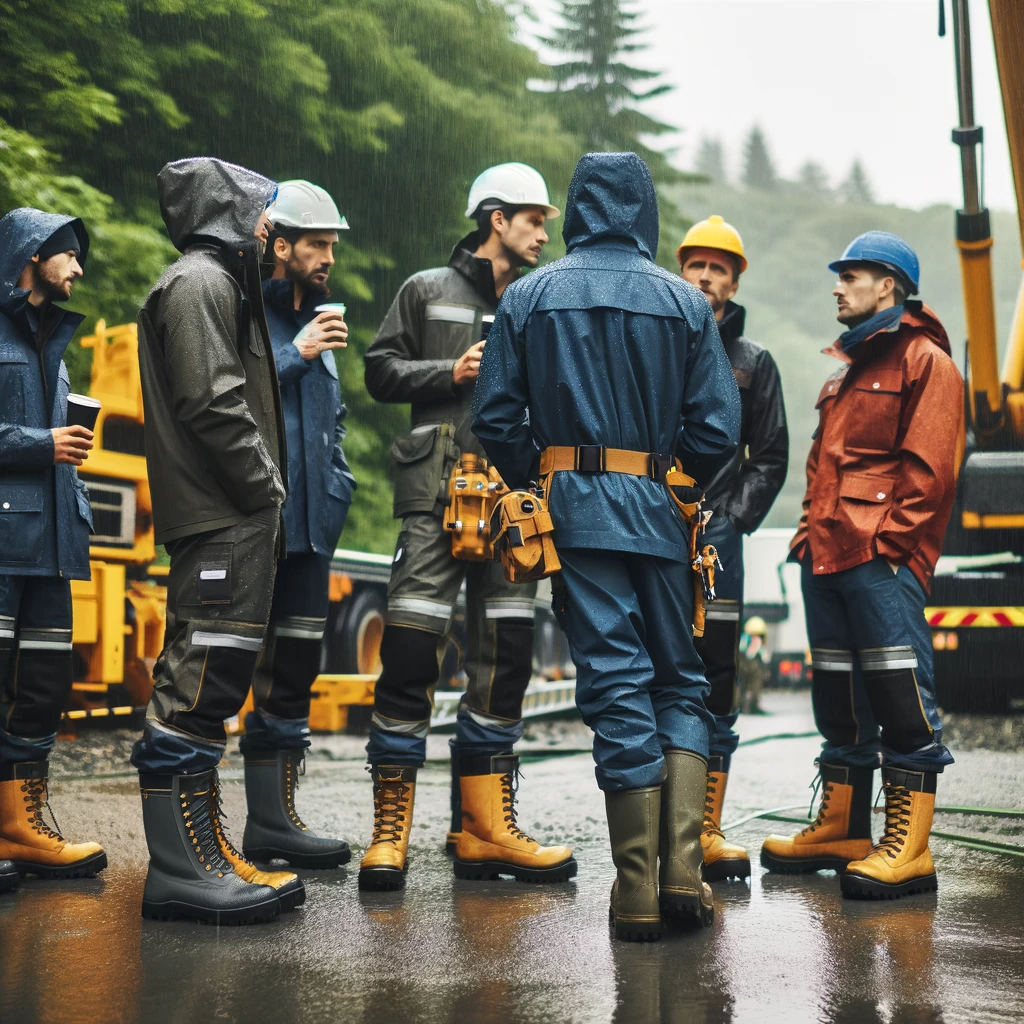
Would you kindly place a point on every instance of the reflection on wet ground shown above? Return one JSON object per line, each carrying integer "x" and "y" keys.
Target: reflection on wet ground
{"x": 782, "y": 949}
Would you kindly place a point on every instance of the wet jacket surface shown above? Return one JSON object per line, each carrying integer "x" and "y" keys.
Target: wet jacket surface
{"x": 214, "y": 431}
{"x": 436, "y": 316}
{"x": 320, "y": 482}
{"x": 604, "y": 347}
{"x": 45, "y": 517}
{"x": 746, "y": 489}
{"x": 881, "y": 474}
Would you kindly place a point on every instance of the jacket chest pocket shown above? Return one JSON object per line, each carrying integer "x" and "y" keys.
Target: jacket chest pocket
{"x": 12, "y": 389}
{"x": 873, "y": 417}
{"x": 448, "y": 330}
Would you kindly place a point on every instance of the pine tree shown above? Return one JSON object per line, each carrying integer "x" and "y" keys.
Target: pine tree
{"x": 758, "y": 168}
{"x": 710, "y": 161}
{"x": 813, "y": 179}
{"x": 857, "y": 189}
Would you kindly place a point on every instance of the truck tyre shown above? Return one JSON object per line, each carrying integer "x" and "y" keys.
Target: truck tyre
{"x": 358, "y": 629}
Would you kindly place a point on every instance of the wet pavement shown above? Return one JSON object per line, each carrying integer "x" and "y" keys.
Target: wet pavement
{"x": 782, "y": 948}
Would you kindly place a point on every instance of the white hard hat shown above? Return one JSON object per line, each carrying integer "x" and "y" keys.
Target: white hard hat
{"x": 303, "y": 205}
{"x": 511, "y": 185}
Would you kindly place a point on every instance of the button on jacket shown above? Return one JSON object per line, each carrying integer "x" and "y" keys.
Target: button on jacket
{"x": 45, "y": 517}
{"x": 881, "y": 474}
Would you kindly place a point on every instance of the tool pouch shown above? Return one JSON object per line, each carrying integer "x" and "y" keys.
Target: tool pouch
{"x": 473, "y": 489}
{"x": 688, "y": 499}
{"x": 521, "y": 530}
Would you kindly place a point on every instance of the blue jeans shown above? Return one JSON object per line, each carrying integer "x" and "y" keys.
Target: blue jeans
{"x": 719, "y": 646}
{"x": 874, "y": 686}
{"x": 639, "y": 683}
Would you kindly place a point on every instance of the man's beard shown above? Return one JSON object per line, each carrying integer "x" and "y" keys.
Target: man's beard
{"x": 55, "y": 290}
{"x": 306, "y": 282}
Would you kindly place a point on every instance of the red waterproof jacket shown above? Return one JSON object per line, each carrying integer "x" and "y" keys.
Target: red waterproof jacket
{"x": 881, "y": 474}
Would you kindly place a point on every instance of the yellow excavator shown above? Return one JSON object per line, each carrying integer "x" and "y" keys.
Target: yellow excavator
{"x": 977, "y": 602}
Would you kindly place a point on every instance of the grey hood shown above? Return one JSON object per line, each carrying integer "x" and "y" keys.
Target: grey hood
{"x": 203, "y": 198}
{"x": 23, "y": 232}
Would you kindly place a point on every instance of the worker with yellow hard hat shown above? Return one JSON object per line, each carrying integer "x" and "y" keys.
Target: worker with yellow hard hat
{"x": 712, "y": 258}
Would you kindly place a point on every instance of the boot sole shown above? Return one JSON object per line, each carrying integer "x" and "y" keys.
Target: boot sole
{"x": 489, "y": 870}
{"x": 378, "y": 879}
{"x": 634, "y": 931}
{"x": 173, "y": 910}
{"x": 720, "y": 870}
{"x": 312, "y": 861}
{"x": 686, "y": 910}
{"x": 802, "y": 865}
{"x": 293, "y": 899}
{"x": 9, "y": 880}
{"x": 80, "y": 869}
{"x": 858, "y": 887}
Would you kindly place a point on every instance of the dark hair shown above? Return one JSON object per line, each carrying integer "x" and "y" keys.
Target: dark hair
{"x": 483, "y": 216}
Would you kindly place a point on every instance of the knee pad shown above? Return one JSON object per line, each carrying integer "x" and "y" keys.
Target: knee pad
{"x": 890, "y": 678}
{"x": 409, "y": 674}
{"x": 717, "y": 649}
{"x": 832, "y": 696}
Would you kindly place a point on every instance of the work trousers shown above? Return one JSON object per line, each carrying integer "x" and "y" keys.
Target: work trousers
{"x": 218, "y": 603}
{"x": 290, "y": 660}
{"x": 719, "y": 646}
{"x": 874, "y": 688}
{"x": 36, "y": 668}
{"x": 425, "y": 584}
{"x": 639, "y": 682}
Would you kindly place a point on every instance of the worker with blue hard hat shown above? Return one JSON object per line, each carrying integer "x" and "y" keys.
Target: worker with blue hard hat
{"x": 881, "y": 477}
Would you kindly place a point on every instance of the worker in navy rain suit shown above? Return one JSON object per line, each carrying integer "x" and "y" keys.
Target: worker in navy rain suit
{"x": 604, "y": 351}
{"x": 306, "y": 224}
{"x": 44, "y": 532}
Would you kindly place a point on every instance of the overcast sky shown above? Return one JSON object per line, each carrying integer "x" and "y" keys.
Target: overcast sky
{"x": 828, "y": 80}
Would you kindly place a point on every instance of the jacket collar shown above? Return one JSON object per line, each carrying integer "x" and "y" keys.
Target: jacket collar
{"x": 857, "y": 343}
{"x": 730, "y": 327}
{"x": 478, "y": 272}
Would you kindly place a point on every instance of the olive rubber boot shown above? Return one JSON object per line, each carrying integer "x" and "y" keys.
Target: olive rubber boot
{"x": 273, "y": 829}
{"x": 722, "y": 859}
{"x": 386, "y": 859}
{"x": 901, "y": 863}
{"x": 289, "y": 888}
{"x": 685, "y": 896}
{"x": 9, "y": 876}
{"x": 188, "y": 875}
{"x": 634, "y": 816}
{"x": 840, "y": 833}
{"x": 25, "y": 838}
{"x": 491, "y": 843}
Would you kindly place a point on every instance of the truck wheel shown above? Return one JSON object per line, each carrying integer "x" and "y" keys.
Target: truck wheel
{"x": 358, "y": 631}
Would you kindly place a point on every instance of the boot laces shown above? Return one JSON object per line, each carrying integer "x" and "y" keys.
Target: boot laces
{"x": 202, "y": 819}
{"x": 817, "y": 785}
{"x": 291, "y": 784}
{"x": 509, "y": 788}
{"x": 897, "y": 820}
{"x": 219, "y": 820}
{"x": 710, "y": 825}
{"x": 390, "y": 801}
{"x": 36, "y": 798}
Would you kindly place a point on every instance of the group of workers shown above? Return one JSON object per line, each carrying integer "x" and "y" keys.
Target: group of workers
{"x": 588, "y": 382}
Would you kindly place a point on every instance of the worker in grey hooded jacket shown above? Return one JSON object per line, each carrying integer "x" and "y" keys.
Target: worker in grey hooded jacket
{"x": 215, "y": 456}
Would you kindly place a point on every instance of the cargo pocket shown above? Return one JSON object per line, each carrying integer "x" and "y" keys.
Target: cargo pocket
{"x": 875, "y": 411}
{"x": 423, "y": 460}
{"x": 864, "y": 500}
{"x": 21, "y": 522}
{"x": 214, "y": 578}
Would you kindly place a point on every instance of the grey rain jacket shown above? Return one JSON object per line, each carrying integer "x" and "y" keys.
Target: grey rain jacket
{"x": 215, "y": 445}
{"x": 746, "y": 489}
{"x": 45, "y": 516}
{"x": 603, "y": 347}
{"x": 435, "y": 317}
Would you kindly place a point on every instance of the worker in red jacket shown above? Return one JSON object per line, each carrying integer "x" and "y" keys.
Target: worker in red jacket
{"x": 881, "y": 477}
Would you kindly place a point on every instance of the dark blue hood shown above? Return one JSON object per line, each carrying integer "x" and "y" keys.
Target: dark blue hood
{"x": 612, "y": 195}
{"x": 22, "y": 234}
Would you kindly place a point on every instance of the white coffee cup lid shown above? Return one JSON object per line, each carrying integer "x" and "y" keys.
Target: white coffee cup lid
{"x": 332, "y": 307}
{"x": 86, "y": 400}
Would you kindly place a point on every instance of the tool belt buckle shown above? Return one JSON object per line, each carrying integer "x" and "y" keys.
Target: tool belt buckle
{"x": 590, "y": 458}
{"x": 658, "y": 467}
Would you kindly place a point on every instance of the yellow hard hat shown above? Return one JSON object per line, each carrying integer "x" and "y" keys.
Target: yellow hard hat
{"x": 756, "y": 626}
{"x": 713, "y": 233}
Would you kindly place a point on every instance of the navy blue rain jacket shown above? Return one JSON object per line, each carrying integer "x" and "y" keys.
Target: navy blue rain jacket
{"x": 603, "y": 347}
{"x": 45, "y": 516}
{"x": 320, "y": 483}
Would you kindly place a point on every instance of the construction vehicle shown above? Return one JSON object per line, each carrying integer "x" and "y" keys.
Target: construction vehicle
{"x": 976, "y": 606}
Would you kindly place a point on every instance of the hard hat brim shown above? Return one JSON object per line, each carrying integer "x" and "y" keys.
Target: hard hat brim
{"x": 551, "y": 211}
{"x": 911, "y": 289}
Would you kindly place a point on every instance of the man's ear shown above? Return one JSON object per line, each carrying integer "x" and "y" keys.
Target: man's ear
{"x": 282, "y": 249}
{"x": 35, "y": 259}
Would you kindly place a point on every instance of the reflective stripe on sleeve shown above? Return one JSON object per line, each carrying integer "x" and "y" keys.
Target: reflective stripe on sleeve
{"x": 241, "y": 643}
{"x": 452, "y": 314}
{"x": 832, "y": 661}
{"x": 887, "y": 659}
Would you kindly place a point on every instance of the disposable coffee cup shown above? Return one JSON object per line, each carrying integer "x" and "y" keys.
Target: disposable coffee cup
{"x": 82, "y": 411}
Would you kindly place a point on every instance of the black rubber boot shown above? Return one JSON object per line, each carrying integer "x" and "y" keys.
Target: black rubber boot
{"x": 188, "y": 875}
{"x": 9, "y": 876}
{"x": 274, "y": 829}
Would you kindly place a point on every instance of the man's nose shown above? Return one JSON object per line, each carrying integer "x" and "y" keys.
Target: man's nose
{"x": 543, "y": 238}
{"x": 76, "y": 269}
{"x": 329, "y": 259}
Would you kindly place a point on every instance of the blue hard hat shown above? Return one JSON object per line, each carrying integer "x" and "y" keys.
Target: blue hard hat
{"x": 887, "y": 249}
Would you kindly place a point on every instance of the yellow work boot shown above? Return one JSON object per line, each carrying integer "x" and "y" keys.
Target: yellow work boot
{"x": 840, "y": 833}
{"x": 901, "y": 863}
{"x": 27, "y": 840}
{"x": 384, "y": 864}
{"x": 289, "y": 888}
{"x": 722, "y": 859}
{"x": 491, "y": 843}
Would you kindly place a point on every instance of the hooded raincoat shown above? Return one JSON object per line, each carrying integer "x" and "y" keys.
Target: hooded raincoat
{"x": 45, "y": 517}
{"x": 214, "y": 430}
